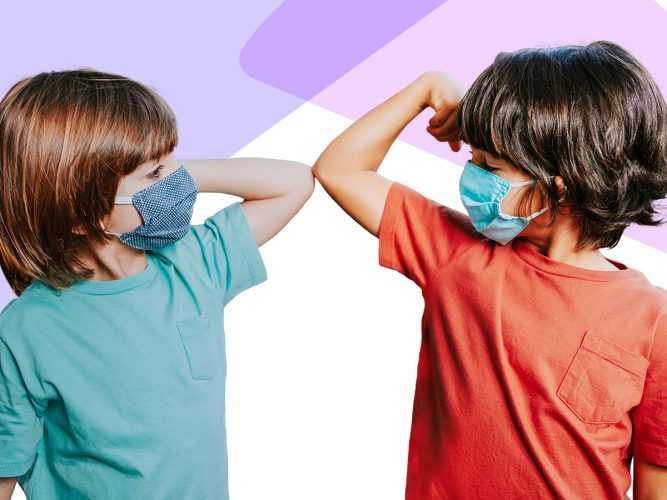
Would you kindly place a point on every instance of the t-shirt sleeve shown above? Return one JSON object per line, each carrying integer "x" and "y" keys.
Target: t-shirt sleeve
{"x": 417, "y": 234}
{"x": 649, "y": 418}
{"x": 20, "y": 427}
{"x": 231, "y": 256}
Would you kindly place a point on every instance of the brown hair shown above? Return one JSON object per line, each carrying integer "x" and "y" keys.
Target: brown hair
{"x": 66, "y": 140}
{"x": 590, "y": 114}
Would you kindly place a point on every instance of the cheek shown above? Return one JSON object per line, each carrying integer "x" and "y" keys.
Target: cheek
{"x": 510, "y": 203}
{"x": 124, "y": 218}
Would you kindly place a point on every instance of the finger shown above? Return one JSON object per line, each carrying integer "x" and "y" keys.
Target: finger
{"x": 440, "y": 117}
{"x": 445, "y": 137}
{"x": 448, "y": 127}
{"x": 445, "y": 133}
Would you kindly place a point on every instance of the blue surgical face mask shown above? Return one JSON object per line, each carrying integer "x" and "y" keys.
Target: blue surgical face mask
{"x": 481, "y": 193}
{"x": 166, "y": 209}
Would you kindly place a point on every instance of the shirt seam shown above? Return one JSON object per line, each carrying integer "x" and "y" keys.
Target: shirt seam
{"x": 650, "y": 447}
{"x": 115, "y": 292}
{"x": 655, "y": 333}
{"x": 147, "y": 281}
{"x": 393, "y": 220}
{"x": 248, "y": 258}
{"x": 582, "y": 278}
{"x": 15, "y": 461}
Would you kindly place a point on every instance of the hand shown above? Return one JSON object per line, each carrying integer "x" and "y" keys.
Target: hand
{"x": 444, "y": 97}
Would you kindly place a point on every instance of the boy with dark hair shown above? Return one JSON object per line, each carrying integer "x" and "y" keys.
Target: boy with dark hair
{"x": 543, "y": 366}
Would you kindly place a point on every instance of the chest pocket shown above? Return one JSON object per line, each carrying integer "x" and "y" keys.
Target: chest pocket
{"x": 199, "y": 345}
{"x": 604, "y": 381}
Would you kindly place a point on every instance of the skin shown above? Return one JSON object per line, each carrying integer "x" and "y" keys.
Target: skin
{"x": 273, "y": 191}
{"x": 558, "y": 241}
{"x": 7, "y": 485}
{"x": 650, "y": 481}
{"x": 347, "y": 169}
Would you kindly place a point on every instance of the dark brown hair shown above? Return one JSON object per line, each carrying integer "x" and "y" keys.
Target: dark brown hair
{"x": 590, "y": 114}
{"x": 66, "y": 140}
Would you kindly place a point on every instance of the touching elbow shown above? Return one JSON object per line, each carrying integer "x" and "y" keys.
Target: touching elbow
{"x": 309, "y": 182}
{"x": 322, "y": 173}
{"x": 304, "y": 182}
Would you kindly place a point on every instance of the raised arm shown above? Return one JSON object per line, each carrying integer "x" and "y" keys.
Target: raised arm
{"x": 347, "y": 169}
{"x": 273, "y": 190}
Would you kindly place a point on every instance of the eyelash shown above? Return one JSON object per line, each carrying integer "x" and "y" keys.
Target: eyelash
{"x": 155, "y": 174}
{"x": 485, "y": 166}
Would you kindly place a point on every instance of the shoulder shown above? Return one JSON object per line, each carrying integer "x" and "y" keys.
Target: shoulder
{"x": 419, "y": 236}
{"x": 222, "y": 250}
{"x": 22, "y": 314}
{"x": 229, "y": 221}
{"x": 8, "y": 319}
{"x": 219, "y": 234}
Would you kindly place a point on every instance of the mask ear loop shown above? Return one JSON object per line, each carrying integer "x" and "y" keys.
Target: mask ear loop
{"x": 536, "y": 214}
{"x": 523, "y": 183}
{"x": 120, "y": 200}
{"x": 123, "y": 200}
{"x": 513, "y": 185}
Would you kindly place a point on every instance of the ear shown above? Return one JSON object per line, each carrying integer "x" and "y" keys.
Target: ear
{"x": 104, "y": 221}
{"x": 564, "y": 205}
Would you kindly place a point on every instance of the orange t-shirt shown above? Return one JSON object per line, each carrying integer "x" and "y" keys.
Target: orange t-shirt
{"x": 533, "y": 374}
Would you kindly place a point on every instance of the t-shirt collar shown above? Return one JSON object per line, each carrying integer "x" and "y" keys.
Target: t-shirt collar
{"x": 535, "y": 259}
{"x": 108, "y": 287}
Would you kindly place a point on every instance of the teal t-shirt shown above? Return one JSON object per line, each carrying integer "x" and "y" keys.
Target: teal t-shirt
{"x": 116, "y": 389}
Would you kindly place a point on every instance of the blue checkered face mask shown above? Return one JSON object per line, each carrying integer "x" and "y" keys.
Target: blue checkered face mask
{"x": 481, "y": 193}
{"x": 166, "y": 209}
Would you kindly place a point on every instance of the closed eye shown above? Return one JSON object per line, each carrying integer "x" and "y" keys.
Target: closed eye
{"x": 484, "y": 165}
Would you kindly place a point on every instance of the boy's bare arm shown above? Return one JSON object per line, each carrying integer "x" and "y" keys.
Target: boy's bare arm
{"x": 273, "y": 190}
{"x": 347, "y": 169}
{"x": 650, "y": 481}
{"x": 7, "y": 485}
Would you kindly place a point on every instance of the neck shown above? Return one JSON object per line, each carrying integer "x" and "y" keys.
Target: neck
{"x": 559, "y": 243}
{"x": 114, "y": 260}
{"x": 587, "y": 259}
